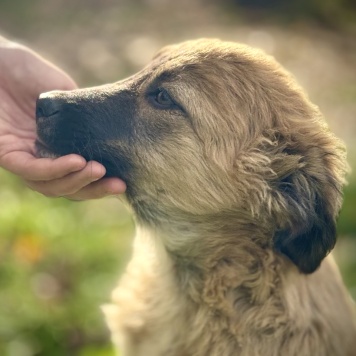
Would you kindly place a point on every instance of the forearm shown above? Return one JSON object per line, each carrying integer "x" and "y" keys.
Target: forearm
{"x": 5, "y": 43}
{"x": 3, "y": 40}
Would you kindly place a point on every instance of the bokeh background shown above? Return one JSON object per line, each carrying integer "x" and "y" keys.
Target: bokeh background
{"x": 59, "y": 260}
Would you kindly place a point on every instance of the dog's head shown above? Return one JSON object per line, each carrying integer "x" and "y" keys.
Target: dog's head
{"x": 209, "y": 127}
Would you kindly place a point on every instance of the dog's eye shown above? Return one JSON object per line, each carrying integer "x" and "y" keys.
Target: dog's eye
{"x": 163, "y": 99}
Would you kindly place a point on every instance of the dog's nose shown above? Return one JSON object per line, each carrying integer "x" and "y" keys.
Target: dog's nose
{"x": 47, "y": 106}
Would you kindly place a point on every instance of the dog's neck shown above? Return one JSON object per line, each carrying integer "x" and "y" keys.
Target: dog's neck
{"x": 207, "y": 239}
{"x": 217, "y": 270}
{"x": 219, "y": 261}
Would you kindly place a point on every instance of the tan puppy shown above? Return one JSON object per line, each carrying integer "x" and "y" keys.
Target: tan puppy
{"x": 235, "y": 182}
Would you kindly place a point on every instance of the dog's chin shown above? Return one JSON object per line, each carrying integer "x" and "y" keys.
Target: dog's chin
{"x": 42, "y": 151}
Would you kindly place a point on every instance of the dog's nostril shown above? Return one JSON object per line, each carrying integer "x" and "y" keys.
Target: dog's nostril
{"x": 46, "y": 107}
{"x": 39, "y": 112}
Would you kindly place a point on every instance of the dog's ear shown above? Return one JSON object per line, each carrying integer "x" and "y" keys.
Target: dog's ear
{"x": 311, "y": 200}
{"x": 311, "y": 233}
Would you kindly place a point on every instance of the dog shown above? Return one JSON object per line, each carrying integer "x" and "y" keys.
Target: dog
{"x": 235, "y": 182}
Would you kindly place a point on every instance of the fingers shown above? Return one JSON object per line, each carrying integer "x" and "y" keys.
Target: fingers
{"x": 102, "y": 188}
{"x": 68, "y": 184}
{"x": 31, "y": 168}
{"x": 68, "y": 176}
{"x": 84, "y": 184}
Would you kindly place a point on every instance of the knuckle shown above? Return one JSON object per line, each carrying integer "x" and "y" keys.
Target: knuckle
{"x": 74, "y": 197}
{"x": 48, "y": 193}
{"x": 44, "y": 189}
{"x": 51, "y": 194}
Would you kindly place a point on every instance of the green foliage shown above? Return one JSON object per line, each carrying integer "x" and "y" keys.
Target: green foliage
{"x": 346, "y": 246}
{"x": 347, "y": 219}
{"x": 59, "y": 262}
{"x": 339, "y": 14}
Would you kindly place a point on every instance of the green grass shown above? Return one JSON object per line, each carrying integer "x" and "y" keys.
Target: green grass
{"x": 59, "y": 262}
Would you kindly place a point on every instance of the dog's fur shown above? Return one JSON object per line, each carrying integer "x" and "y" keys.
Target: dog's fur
{"x": 235, "y": 182}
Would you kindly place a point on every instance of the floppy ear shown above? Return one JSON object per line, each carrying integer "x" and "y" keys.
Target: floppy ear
{"x": 312, "y": 197}
{"x": 311, "y": 233}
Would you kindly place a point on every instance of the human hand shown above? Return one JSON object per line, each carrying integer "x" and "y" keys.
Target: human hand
{"x": 24, "y": 75}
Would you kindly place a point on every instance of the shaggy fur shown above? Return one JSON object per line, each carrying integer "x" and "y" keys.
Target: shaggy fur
{"x": 235, "y": 182}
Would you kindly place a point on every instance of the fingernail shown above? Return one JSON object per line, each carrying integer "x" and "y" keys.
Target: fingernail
{"x": 117, "y": 186}
{"x": 97, "y": 170}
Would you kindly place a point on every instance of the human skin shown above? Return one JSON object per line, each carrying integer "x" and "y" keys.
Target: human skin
{"x": 24, "y": 75}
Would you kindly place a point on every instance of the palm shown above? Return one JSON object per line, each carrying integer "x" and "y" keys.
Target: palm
{"x": 23, "y": 77}
{"x": 17, "y": 107}
{"x": 15, "y": 139}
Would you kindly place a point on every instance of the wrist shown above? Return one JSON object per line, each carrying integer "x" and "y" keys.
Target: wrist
{"x": 3, "y": 39}
{"x": 5, "y": 43}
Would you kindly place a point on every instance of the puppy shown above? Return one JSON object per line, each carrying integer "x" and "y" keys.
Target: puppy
{"x": 235, "y": 183}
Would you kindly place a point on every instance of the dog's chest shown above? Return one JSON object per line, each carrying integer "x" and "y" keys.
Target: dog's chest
{"x": 148, "y": 312}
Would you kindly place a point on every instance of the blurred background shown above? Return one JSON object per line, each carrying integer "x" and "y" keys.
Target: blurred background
{"x": 59, "y": 260}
